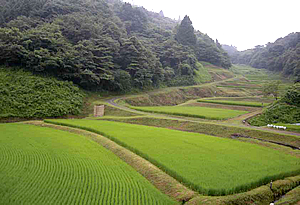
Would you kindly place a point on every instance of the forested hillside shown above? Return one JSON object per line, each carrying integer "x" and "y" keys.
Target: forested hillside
{"x": 24, "y": 95}
{"x": 282, "y": 56}
{"x": 106, "y": 45}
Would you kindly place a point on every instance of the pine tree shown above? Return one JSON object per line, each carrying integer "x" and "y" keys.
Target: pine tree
{"x": 185, "y": 33}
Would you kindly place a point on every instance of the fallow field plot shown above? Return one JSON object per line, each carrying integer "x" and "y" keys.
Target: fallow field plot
{"x": 194, "y": 111}
{"x": 210, "y": 165}
{"x": 46, "y": 166}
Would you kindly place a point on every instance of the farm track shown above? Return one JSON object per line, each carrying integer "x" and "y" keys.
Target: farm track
{"x": 157, "y": 177}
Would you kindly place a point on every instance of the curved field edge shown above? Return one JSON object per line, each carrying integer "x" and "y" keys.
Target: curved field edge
{"x": 237, "y": 103}
{"x": 212, "y": 129}
{"x": 40, "y": 165}
{"x": 292, "y": 197}
{"x": 259, "y": 196}
{"x": 165, "y": 183}
{"x": 230, "y": 113}
{"x": 193, "y": 186}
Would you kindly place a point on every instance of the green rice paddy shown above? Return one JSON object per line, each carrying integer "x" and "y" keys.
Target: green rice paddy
{"x": 239, "y": 103}
{"x": 194, "y": 111}
{"x": 210, "y": 165}
{"x": 41, "y": 165}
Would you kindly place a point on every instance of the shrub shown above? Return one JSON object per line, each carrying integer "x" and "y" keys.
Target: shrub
{"x": 25, "y": 95}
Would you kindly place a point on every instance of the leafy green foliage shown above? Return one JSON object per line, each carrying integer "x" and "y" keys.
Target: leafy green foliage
{"x": 27, "y": 96}
{"x": 62, "y": 168}
{"x": 185, "y": 32}
{"x": 292, "y": 96}
{"x": 279, "y": 112}
{"x": 283, "y": 55}
{"x": 103, "y": 45}
{"x": 210, "y": 165}
{"x": 271, "y": 88}
{"x": 286, "y": 110}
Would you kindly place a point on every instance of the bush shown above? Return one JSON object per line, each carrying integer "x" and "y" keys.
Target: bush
{"x": 277, "y": 113}
{"x": 25, "y": 95}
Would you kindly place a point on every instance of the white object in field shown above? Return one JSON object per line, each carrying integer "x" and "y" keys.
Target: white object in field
{"x": 98, "y": 110}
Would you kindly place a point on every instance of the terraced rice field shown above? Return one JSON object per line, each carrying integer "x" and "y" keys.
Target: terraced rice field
{"x": 196, "y": 111}
{"x": 210, "y": 165}
{"x": 46, "y": 166}
{"x": 239, "y": 103}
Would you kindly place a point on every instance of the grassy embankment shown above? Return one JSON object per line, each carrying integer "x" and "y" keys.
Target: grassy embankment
{"x": 291, "y": 198}
{"x": 224, "y": 84}
{"x": 41, "y": 165}
{"x": 213, "y": 129}
{"x": 239, "y": 103}
{"x": 24, "y": 95}
{"x": 210, "y": 165}
{"x": 178, "y": 95}
{"x": 289, "y": 127}
{"x": 197, "y": 112}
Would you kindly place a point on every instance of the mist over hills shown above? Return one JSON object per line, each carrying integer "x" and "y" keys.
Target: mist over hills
{"x": 283, "y": 55}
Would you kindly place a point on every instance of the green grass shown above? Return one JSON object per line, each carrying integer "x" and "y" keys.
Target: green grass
{"x": 113, "y": 111}
{"x": 289, "y": 127}
{"x": 212, "y": 129}
{"x": 24, "y": 95}
{"x": 239, "y": 103}
{"x": 210, "y": 165}
{"x": 279, "y": 112}
{"x": 201, "y": 74}
{"x": 292, "y": 197}
{"x": 45, "y": 166}
{"x": 194, "y": 111}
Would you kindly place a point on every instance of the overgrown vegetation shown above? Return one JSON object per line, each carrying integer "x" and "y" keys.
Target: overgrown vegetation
{"x": 290, "y": 127}
{"x": 104, "y": 44}
{"x": 286, "y": 110}
{"x": 59, "y": 167}
{"x": 292, "y": 197}
{"x": 112, "y": 111}
{"x": 24, "y": 95}
{"x": 282, "y": 56}
{"x": 196, "y": 159}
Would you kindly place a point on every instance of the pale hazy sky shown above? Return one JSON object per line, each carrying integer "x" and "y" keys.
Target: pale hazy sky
{"x": 242, "y": 23}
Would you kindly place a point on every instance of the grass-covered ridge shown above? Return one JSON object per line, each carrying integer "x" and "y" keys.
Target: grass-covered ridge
{"x": 286, "y": 110}
{"x": 25, "y": 95}
{"x": 193, "y": 111}
{"x": 239, "y": 103}
{"x": 210, "y": 165}
{"x": 41, "y": 165}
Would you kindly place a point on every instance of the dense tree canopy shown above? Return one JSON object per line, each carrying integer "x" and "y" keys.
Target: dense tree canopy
{"x": 185, "y": 33}
{"x": 283, "y": 56}
{"x": 103, "y": 44}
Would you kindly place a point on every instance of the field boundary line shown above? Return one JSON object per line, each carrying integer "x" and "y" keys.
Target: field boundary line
{"x": 162, "y": 181}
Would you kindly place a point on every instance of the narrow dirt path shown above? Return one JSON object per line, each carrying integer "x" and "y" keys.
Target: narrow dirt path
{"x": 239, "y": 119}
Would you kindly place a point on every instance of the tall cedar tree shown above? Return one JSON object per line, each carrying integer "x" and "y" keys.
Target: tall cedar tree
{"x": 185, "y": 33}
